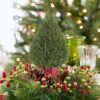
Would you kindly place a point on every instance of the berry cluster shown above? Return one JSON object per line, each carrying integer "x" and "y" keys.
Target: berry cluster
{"x": 62, "y": 79}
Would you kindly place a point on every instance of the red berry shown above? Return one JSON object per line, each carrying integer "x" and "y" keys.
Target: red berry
{"x": 58, "y": 85}
{"x": 88, "y": 91}
{"x": 28, "y": 65}
{"x": 14, "y": 68}
{"x": 58, "y": 81}
{"x": 64, "y": 85}
{"x": 10, "y": 72}
{"x": 26, "y": 68}
{"x": 1, "y": 81}
{"x": 88, "y": 81}
{"x": 66, "y": 90}
{"x": 46, "y": 76}
{"x": 8, "y": 84}
{"x": 36, "y": 79}
{"x": 4, "y": 75}
{"x": 82, "y": 67}
{"x": 83, "y": 91}
{"x": 44, "y": 83}
{"x": 75, "y": 87}
{"x": 88, "y": 67}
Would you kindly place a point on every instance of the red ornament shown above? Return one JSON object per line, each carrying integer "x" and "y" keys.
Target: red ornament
{"x": 1, "y": 81}
{"x": 82, "y": 67}
{"x": 8, "y": 84}
{"x": 88, "y": 67}
{"x": 4, "y": 75}
{"x": 88, "y": 81}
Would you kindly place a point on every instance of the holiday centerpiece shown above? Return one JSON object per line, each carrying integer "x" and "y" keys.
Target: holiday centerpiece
{"x": 30, "y": 82}
{"x": 48, "y": 78}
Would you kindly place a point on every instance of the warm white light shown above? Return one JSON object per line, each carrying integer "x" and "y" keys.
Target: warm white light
{"x": 69, "y": 14}
{"x": 33, "y": 4}
{"x": 99, "y": 56}
{"x": 81, "y": 27}
{"x": 95, "y": 39}
{"x": 18, "y": 59}
{"x": 79, "y": 22}
{"x": 98, "y": 30}
{"x": 84, "y": 10}
{"x": 33, "y": 30}
{"x": 52, "y": 5}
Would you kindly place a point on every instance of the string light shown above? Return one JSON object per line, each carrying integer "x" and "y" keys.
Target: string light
{"x": 94, "y": 39}
{"x": 18, "y": 59}
{"x": 33, "y": 4}
{"x": 79, "y": 22}
{"x": 33, "y": 30}
{"x": 99, "y": 56}
{"x": 52, "y": 5}
{"x": 20, "y": 19}
{"x": 18, "y": 6}
{"x": 69, "y": 14}
{"x": 98, "y": 30}
{"x": 81, "y": 27}
{"x": 85, "y": 18}
{"x": 84, "y": 10}
{"x": 58, "y": 14}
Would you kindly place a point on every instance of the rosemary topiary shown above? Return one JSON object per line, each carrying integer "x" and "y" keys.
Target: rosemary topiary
{"x": 48, "y": 47}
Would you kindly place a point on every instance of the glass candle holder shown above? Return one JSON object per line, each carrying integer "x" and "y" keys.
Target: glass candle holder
{"x": 72, "y": 43}
{"x": 87, "y": 55}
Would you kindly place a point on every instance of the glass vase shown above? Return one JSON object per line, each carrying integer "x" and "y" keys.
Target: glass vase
{"x": 72, "y": 43}
{"x": 87, "y": 55}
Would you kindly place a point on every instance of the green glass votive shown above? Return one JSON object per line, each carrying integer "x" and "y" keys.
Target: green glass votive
{"x": 72, "y": 43}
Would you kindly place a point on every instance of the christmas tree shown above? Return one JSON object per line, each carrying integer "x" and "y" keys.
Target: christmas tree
{"x": 48, "y": 47}
{"x": 78, "y": 18}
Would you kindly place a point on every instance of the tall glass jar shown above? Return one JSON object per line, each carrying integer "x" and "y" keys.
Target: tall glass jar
{"x": 72, "y": 43}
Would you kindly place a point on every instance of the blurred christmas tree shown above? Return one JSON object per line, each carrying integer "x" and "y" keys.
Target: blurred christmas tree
{"x": 82, "y": 17}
